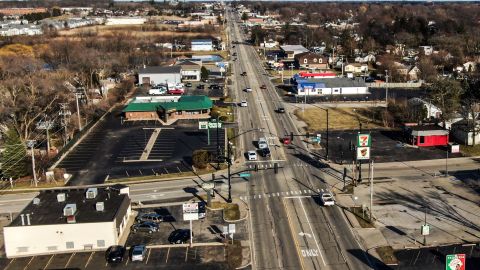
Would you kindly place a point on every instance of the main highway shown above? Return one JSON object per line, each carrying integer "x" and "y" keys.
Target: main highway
{"x": 289, "y": 229}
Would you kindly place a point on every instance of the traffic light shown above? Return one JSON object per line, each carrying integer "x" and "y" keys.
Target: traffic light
{"x": 291, "y": 136}
{"x": 275, "y": 168}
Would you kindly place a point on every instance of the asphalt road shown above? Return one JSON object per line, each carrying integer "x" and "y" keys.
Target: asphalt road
{"x": 295, "y": 232}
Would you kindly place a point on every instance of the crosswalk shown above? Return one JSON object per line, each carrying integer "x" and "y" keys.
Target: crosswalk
{"x": 304, "y": 192}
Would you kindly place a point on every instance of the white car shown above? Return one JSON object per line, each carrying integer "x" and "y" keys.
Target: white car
{"x": 252, "y": 155}
{"x": 138, "y": 253}
{"x": 262, "y": 143}
{"x": 243, "y": 103}
{"x": 248, "y": 89}
{"x": 327, "y": 199}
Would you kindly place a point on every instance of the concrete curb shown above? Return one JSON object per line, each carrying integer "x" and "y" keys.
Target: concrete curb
{"x": 187, "y": 245}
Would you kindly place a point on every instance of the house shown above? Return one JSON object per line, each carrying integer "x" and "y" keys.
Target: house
{"x": 291, "y": 50}
{"x": 369, "y": 58}
{"x": 427, "y": 135}
{"x": 356, "y": 68}
{"x": 463, "y": 132}
{"x": 202, "y": 45}
{"x": 413, "y": 73}
{"x": 269, "y": 44}
{"x": 311, "y": 60}
{"x": 69, "y": 220}
{"x": 314, "y": 75}
{"x": 191, "y": 71}
{"x": 168, "y": 109}
{"x": 125, "y": 20}
{"x": 432, "y": 110}
{"x": 330, "y": 86}
{"x": 158, "y": 74}
{"x": 427, "y": 50}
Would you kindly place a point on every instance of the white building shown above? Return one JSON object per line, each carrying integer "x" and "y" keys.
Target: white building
{"x": 269, "y": 44}
{"x": 432, "y": 110}
{"x": 191, "y": 70}
{"x": 202, "y": 45}
{"x": 63, "y": 221}
{"x": 160, "y": 75}
{"x": 331, "y": 86}
{"x": 291, "y": 50}
{"x": 125, "y": 20}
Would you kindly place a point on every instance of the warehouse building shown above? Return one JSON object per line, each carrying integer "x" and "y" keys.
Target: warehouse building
{"x": 160, "y": 75}
{"x": 330, "y": 86}
{"x": 60, "y": 221}
{"x": 202, "y": 45}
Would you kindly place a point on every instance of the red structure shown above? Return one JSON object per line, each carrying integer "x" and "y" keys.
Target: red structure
{"x": 317, "y": 75}
{"x": 428, "y": 135}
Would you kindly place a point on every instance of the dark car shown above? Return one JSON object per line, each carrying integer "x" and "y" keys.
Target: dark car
{"x": 263, "y": 86}
{"x": 188, "y": 84}
{"x": 153, "y": 217}
{"x": 214, "y": 86}
{"x": 179, "y": 236}
{"x": 114, "y": 254}
{"x": 265, "y": 152}
{"x": 244, "y": 73}
{"x": 147, "y": 226}
{"x": 200, "y": 86}
{"x": 280, "y": 110}
{"x": 234, "y": 54}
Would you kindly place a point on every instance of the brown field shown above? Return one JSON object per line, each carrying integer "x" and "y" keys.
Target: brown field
{"x": 339, "y": 119}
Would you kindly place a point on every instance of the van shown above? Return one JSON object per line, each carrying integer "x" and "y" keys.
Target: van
{"x": 262, "y": 143}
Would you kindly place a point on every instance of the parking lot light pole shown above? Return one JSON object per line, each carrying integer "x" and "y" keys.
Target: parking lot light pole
{"x": 229, "y": 164}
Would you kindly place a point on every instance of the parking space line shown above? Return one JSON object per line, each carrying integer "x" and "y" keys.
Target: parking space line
{"x": 49, "y": 261}
{"x": 9, "y": 263}
{"x": 148, "y": 255}
{"x": 186, "y": 254}
{"x": 71, "y": 256}
{"x": 26, "y": 266}
{"x": 128, "y": 259}
{"x": 168, "y": 253}
{"x": 89, "y": 259}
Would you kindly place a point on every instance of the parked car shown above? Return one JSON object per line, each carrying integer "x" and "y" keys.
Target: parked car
{"x": 179, "y": 236}
{"x": 280, "y": 110}
{"x": 176, "y": 91}
{"x": 146, "y": 226}
{"x": 200, "y": 86}
{"x": 153, "y": 217}
{"x": 234, "y": 54}
{"x": 188, "y": 84}
{"x": 137, "y": 253}
{"x": 157, "y": 91}
{"x": 262, "y": 143}
{"x": 114, "y": 254}
{"x": 214, "y": 86}
{"x": 248, "y": 89}
{"x": 265, "y": 152}
{"x": 252, "y": 155}
{"x": 202, "y": 210}
{"x": 327, "y": 199}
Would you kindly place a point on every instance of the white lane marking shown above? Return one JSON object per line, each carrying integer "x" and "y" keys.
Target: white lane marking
{"x": 311, "y": 230}
{"x": 305, "y": 234}
{"x": 259, "y": 196}
{"x": 310, "y": 253}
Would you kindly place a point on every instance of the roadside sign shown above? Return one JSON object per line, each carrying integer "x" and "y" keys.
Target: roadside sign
{"x": 190, "y": 211}
{"x": 363, "y": 153}
{"x": 425, "y": 229}
{"x": 203, "y": 125}
{"x": 364, "y": 140}
{"x": 214, "y": 124}
{"x": 231, "y": 228}
{"x": 208, "y": 185}
{"x": 455, "y": 262}
{"x": 244, "y": 174}
{"x": 225, "y": 230}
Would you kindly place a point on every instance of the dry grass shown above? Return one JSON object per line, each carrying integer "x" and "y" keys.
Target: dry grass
{"x": 387, "y": 255}
{"x": 134, "y": 30}
{"x": 472, "y": 151}
{"x": 234, "y": 254}
{"x": 362, "y": 217}
{"x": 339, "y": 119}
{"x": 28, "y": 184}
{"x": 231, "y": 212}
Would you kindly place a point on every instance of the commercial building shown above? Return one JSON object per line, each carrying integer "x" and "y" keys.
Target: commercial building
{"x": 291, "y": 50}
{"x": 330, "y": 86}
{"x": 202, "y": 45}
{"x": 427, "y": 135}
{"x": 191, "y": 71}
{"x": 168, "y": 109}
{"x": 157, "y": 75}
{"x": 59, "y": 221}
{"x": 125, "y": 20}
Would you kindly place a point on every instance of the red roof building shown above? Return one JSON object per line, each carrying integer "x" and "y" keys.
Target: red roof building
{"x": 428, "y": 135}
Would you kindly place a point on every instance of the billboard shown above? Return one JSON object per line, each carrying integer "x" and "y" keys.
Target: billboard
{"x": 190, "y": 211}
{"x": 455, "y": 262}
{"x": 363, "y": 153}
{"x": 364, "y": 140}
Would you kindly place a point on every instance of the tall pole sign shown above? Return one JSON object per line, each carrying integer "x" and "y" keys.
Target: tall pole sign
{"x": 455, "y": 262}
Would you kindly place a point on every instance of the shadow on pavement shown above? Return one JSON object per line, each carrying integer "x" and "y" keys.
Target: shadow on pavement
{"x": 368, "y": 259}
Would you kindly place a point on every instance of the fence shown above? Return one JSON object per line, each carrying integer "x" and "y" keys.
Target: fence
{"x": 394, "y": 85}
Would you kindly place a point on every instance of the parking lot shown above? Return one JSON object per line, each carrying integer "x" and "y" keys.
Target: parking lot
{"x": 205, "y": 257}
{"x": 114, "y": 150}
{"x": 207, "y": 230}
{"x": 387, "y": 146}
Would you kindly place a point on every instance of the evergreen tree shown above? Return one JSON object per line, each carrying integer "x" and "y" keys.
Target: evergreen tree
{"x": 14, "y": 161}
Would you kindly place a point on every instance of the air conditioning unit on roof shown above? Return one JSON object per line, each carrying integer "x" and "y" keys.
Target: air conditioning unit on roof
{"x": 69, "y": 209}
{"x": 92, "y": 193}
{"x": 61, "y": 197}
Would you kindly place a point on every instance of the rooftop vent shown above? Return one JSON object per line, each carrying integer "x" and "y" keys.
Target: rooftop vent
{"x": 92, "y": 193}
{"x": 70, "y": 209}
{"x": 100, "y": 206}
{"x": 36, "y": 201}
{"x": 61, "y": 197}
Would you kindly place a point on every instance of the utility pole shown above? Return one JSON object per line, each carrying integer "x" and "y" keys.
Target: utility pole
{"x": 64, "y": 112}
{"x": 327, "y": 136}
{"x": 229, "y": 163}
{"x": 78, "y": 112}
{"x": 31, "y": 144}
{"x": 47, "y": 125}
{"x": 386, "y": 87}
{"x": 371, "y": 190}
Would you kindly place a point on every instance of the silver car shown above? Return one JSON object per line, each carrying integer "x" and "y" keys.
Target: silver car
{"x": 137, "y": 253}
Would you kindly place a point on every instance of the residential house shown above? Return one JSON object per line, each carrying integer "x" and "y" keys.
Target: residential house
{"x": 369, "y": 58}
{"x": 463, "y": 132}
{"x": 413, "y": 73}
{"x": 397, "y": 49}
{"x": 291, "y": 50}
{"x": 269, "y": 44}
{"x": 427, "y": 50}
{"x": 202, "y": 45}
{"x": 309, "y": 60}
{"x": 433, "y": 112}
{"x": 356, "y": 68}
{"x": 158, "y": 74}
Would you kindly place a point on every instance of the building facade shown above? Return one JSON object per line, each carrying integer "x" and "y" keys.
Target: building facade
{"x": 309, "y": 60}
{"x": 160, "y": 75}
{"x": 202, "y": 45}
{"x": 68, "y": 221}
{"x": 331, "y": 86}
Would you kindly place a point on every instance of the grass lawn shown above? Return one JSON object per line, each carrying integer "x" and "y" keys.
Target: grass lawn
{"x": 339, "y": 119}
{"x": 470, "y": 150}
{"x": 362, "y": 218}
{"x": 224, "y": 112}
{"x": 387, "y": 255}
{"x": 231, "y": 211}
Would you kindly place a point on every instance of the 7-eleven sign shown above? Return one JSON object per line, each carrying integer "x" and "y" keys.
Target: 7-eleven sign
{"x": 364, "y": 140}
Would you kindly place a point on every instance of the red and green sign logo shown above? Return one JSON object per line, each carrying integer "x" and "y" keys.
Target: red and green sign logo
{"x": 455, "y": 262}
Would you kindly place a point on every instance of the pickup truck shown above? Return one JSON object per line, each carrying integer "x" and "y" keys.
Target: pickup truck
{"x": 157, "y": 91}
{"x": 327, "y": 199}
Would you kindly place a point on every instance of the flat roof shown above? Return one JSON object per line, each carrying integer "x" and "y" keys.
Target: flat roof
{"x": 49, "y": 211}
{"x": 160, "y": 69}
{"x": 428, "y": 130}
{"x": 335, "y": 82}
{"x": 184, "y": 103}
{"x": 294, "y": 48}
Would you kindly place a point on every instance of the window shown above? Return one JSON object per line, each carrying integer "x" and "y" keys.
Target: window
{"x": 305, "y": 61}
{"x": 52, "y": 248}
{"x": 314, "y": 60}
{"x": 422, "y": 139}
{"x": 100, "y": 243}
{"x": 69, "y": 245}
{"x": 22, "y": 249}
{"x": 319, "y": 60}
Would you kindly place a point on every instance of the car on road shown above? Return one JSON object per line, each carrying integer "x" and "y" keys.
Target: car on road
{"x": 137, "y": 253}
{"x": 188, "y": 84}
{"x": 146, "y": 226}
{"x": 179, "y": 236}
{"x": 280, "y": 110}
{"x": 153, "y": 217}
{"x": 243, "y": 103}
{"x": 115, "y": 254}
{"x": 248, "y": 89}
{"x": 233, "y": 46}
{"x": 252, "y": 155}
{"x": 262, "y": 143}
{"x": 263, "y": 86}
{"x": 327, "y": 199}
{"x": 243, "y": 73}
{"x": 201, "y": 86}
{"x": 234, "y": 54}
{"x": 265, "y": 152}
